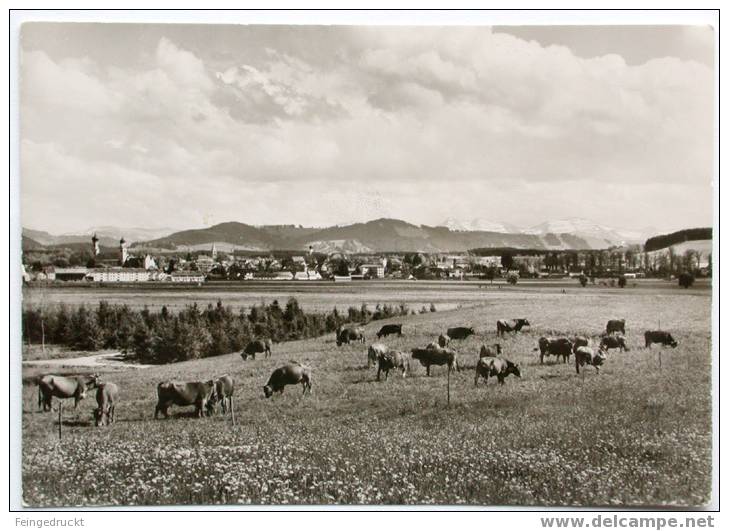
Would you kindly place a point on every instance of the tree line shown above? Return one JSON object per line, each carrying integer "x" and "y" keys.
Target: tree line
{"x": 165, "y": 337}
{"x": 666, "y": 240}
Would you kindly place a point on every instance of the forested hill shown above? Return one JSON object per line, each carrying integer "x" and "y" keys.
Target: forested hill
{"x": 667, "y": 240}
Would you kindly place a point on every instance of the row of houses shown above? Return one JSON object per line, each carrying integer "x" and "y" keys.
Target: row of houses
{"x": 112, "y": 274}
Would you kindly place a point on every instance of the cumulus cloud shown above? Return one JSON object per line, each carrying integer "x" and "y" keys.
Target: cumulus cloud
{"x": 265, "y": 135}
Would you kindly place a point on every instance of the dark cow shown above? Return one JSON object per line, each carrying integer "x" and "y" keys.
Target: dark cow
{"x": 586, "y": 356}
{"x": 615, "y": 325}
{"x": 349, "y": 334}
{"x": 557, "y": 346}
{"x": 223, "y": 393}
{"x": 460, "y": 332}
{"x": 184, "y": 394}
{"x": 256, "y": 347}
{"x": 374, "y": 351}
{"x": 610, "y": 342}
{"x": 107, "y": 395}
{"x": 661, "y": 337}
{"x": 513, "y": 325}
{"x": 388, "y": 329}
{"x": 443, "y": 340}
{"x": 64, "y": 387}
{"x": 291, "y": 373}
{"x": 492, "y": 351}
{"x": 493, "y": 366}
{"x": 580, "y": 341}
{"x": 436, "y": 355}
{"x": 392, "y": 359}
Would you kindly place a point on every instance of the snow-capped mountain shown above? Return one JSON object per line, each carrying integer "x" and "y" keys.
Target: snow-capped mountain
{"x": 480, "y": 224}
{"x": 597, "y": 235}
{"x": 586, "y": 228}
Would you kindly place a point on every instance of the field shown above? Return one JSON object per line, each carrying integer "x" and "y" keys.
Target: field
{"x": 637, "y": 434}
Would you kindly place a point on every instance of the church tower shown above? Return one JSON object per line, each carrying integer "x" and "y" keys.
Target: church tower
{"x": 214, "y": 252}
{"x": 123, "y": 252}
{"x": 95, "y": 245}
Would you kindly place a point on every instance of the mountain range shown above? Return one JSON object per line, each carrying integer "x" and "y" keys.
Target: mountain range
{"x": 381, "y": 235}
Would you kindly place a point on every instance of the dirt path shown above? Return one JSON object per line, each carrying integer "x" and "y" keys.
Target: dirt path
{"x": 107, "y": 360}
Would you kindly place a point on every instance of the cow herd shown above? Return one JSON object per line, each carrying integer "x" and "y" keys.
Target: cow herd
{"x": 205, "y": 395}
{"x": 490, "y": 362}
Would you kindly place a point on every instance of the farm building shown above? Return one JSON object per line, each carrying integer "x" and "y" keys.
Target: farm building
{"x": 71, "y": 273}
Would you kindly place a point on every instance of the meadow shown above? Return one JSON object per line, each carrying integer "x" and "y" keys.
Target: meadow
{"x": 637, "y": 434}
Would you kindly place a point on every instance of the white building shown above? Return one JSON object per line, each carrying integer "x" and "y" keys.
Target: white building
{"x": 119, "y": 274}
{"x": 186, "y": 276}
{"x": 307, "y": 275}
{"x": 204, "y": 263}
{"x": 374, "y": 270}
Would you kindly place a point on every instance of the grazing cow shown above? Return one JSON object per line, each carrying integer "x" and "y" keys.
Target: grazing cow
{"x": 349, "y": 334}
{"x": 615, "y": 325}
{"x": 443, "y": 340}
{"x": 392, "y": 359}
{"x": 659, "y": 336}
{"x": 64, "y": 387}
{"x": 291, "y": 373}
{"x": 513, "y": 325}
{"x": 373, "y": 352}
{"x": 388, "y": 329}
{"x": 436, "y": 355}
{"x": 492, "y": 351}
{"x": 223, "y": 393}
{"x": 460, "y": 332}
{"x": 256, "y": 347}
{"x": 493, "y": 366}
{"x": 617, "y": 341}
{"x": 586, "y": 356}
{"x": 579, "y": 341}
{"x": 107, "y": 395}
{"x": 184, "y": 394}
{"x": 557, "y": 346}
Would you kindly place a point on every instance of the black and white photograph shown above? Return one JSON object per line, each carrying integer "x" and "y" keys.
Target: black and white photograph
{"x": 315, "y": 264}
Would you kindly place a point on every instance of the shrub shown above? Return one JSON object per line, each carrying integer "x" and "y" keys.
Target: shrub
{"x": 622, "y": 282}
{"x": 685, "y": 280}
{"x": 583, "y": 280}
{"x": 512, "y": 279}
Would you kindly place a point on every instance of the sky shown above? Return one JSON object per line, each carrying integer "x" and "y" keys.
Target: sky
{"x": 185, "y": 126}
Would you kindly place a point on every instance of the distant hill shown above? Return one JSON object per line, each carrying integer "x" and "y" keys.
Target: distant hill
{"x": 130, "y": 234}
{"x": 46, "y": 239}
{"x": 29, "y": 244}
{"x": 241, "y": 235}
{"x": 381, "y": 235}
{"x": 675, "y": 238}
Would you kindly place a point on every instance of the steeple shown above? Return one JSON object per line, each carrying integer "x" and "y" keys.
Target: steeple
{"x": 123, "y": 253}
{"x": 95, "y": 245}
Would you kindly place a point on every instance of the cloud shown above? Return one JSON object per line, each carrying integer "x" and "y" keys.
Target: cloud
{"x": 400, "y": 113}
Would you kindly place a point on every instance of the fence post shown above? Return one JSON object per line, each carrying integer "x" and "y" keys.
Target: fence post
{"x": 449, "y": 386}
{"x": 232, "y": 411}
{"x": 660, "y": 359}
{"x": 60, "y": 409}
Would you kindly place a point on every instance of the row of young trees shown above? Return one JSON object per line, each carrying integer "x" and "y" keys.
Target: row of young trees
{"x": 165, "y": 337}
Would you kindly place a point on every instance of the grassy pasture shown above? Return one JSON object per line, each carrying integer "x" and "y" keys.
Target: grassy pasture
{"x": 636, "y": 434}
